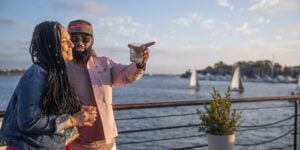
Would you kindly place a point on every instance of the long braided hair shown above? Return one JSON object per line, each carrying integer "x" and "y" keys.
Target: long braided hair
{"x": 45, "y": 49}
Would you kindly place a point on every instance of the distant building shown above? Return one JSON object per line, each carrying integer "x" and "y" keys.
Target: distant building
{"x": 5, "y": 72}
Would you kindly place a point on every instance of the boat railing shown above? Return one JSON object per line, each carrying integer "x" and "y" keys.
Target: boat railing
{"x": 157, "y": 125}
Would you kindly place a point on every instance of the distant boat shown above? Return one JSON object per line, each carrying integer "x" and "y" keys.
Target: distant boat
{"x": 236, "y": 83}
{"x": 194, "y": 80}
{"x": 297, "y": 91}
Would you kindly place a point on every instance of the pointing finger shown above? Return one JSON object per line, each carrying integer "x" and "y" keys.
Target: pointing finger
{"x": 132, "y": 46}
{"x": 149, "y": 44}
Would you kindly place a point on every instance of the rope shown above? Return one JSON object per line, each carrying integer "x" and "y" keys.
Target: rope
{"x": 161, "y": 128}
{"x": 163, "y": 139}
{"x": 184, "y": 148}
{"x": 268, "y": 124}
{"x": 135, "y": 118}
{"x": 258, "y": 128}
{"x": 268, "y": 141}
{"x": 195, "y": 125}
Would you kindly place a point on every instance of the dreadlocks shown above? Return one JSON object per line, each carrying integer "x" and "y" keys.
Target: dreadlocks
{"x": 45, "y": 49}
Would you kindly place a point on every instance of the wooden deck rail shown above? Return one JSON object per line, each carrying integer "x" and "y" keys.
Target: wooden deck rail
{"x": 194, "y": 102}
{"x": 201, "y": 102}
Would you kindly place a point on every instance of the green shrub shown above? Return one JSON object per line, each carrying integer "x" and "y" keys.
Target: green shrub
{"x": 218, "y": 118}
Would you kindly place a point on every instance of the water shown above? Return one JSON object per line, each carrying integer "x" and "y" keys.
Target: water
{"x": 166, "y": 88}
{"x": 7, "y": 86}
{"x": 172, "y": 88}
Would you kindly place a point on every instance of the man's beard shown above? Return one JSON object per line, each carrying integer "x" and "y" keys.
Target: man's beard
{"x": 82, "y": 57}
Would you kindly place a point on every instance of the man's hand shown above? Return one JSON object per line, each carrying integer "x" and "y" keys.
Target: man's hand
{"x": 145, "y": 50}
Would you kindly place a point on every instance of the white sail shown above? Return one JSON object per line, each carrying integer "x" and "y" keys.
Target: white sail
{"x": 298, "y": 84}
{"x": 194, "y": 80}
{"x": 297, "y": 91}
{"x": 236, "y": 83}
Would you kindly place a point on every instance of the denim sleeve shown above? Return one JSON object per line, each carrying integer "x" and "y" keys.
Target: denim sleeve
{"x": 29, "y": 109}
{"x": 59, "y": 123}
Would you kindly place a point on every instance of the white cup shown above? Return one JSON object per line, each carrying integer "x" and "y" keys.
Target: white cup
{"x": 137, "y": 51}
{"x": 136, "y": 54}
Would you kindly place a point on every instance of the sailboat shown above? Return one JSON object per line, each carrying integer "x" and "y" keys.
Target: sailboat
{"x": 297, "y": 91}
{"x": 194, "y": 80}
{"x": 236, "y": 83}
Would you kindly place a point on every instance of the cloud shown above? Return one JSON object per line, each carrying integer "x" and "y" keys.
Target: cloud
{"x": 274, "y": 5}
{"x": 262, "y": 20}
{"x": 6, "y": 22}
{"x": 121, "y": 25}
{"x": 86, "y": 7}
{"x": 228, "y": 27}
{"x": 278, "y": 37}
{"x": 188, "y": 20}
{"x": 111, "y": 28}
{"x": 216, "y": 47}
{"x": 246, "y": 29}
{"x": 256, "y": 41}
{"x": 183, "y": 21}
{"x": 209, "y": 23}
{"x": 262, "y": 4}
{"x": 293, "y": 28}
{"x": 290, "y": 32}
{"x": 196, "y": 18}
{"x": 225, "y": 3}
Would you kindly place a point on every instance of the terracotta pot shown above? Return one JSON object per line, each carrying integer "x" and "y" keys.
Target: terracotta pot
{"x": 223, "y": 142}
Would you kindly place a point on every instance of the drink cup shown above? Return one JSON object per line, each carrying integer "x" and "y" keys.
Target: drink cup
{"x": 137, "y": 51}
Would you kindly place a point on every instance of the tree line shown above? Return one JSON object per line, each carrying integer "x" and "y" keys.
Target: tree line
{"x": 251, "y": 69}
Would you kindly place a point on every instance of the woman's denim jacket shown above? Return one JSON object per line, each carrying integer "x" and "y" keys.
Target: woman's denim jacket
{"x": 24, "y": 125}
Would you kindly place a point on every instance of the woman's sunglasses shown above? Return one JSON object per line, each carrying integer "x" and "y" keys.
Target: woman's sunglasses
{"x": 84, "y": 38}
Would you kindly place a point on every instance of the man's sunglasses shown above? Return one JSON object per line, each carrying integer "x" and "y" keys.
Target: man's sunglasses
{"x": 83, "y": 38}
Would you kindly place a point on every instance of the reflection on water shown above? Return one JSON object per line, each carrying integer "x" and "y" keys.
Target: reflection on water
{"x": 194, "y": 91}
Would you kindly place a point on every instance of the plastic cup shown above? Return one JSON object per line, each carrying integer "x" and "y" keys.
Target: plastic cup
{"x": 137, "y": 50}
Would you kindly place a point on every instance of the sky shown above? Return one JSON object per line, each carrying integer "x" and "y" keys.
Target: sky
{"x": 189, "y": 34}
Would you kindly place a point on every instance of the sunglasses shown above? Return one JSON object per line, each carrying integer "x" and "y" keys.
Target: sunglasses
{"x": 83, "y": 38}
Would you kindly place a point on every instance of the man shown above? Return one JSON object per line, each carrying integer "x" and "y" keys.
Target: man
{"x": 92, "y": 78}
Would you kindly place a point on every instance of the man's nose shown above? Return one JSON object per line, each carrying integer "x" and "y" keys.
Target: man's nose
{"x": 79, "y": 42}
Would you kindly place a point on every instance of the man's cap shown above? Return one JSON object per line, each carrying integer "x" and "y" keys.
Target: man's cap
{"x": 80, "y": 26}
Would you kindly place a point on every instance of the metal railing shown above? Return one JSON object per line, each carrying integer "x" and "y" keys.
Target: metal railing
{"x": 288, "y": 123}
{"x": 160, "y": 118}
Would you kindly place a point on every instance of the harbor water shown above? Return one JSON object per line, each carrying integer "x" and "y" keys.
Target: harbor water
{"x": 173, "y": 88}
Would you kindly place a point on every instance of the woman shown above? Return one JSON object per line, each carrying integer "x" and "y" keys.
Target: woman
{"x": 43, "y": 110}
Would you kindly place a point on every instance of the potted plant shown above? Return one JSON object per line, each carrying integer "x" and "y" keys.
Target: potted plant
{"x": 219, "y": 122}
